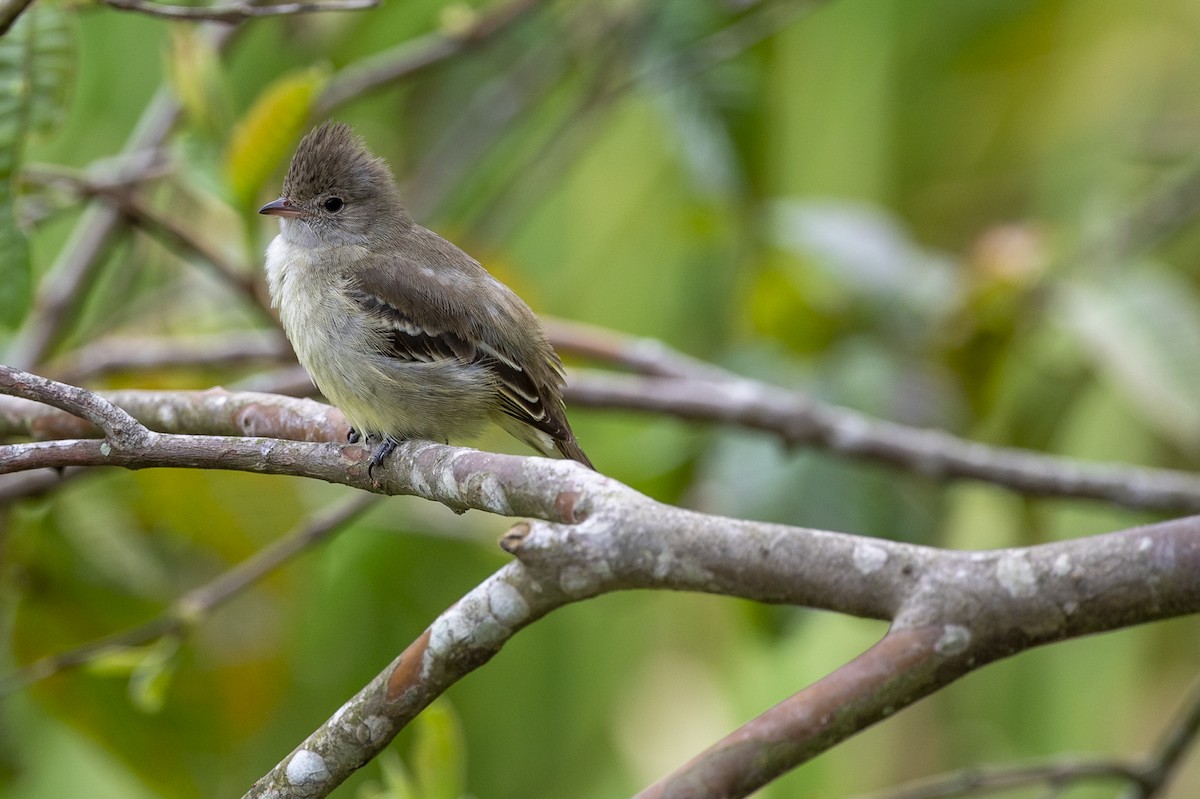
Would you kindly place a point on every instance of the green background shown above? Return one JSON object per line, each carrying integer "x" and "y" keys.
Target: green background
{"x": 925, "y": 210}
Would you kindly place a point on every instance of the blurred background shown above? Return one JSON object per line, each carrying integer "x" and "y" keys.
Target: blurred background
{"x": 973, "y": 216}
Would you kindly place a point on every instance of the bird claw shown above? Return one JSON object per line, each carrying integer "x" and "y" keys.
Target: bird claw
{"x": 353, "y": 437}
{"x": 385, "y": 448}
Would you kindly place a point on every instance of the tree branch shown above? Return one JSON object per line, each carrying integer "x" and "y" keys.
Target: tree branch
{"x": 141, "y": 353}
{"x": 415, "y": 55}
{"x": 9, "y": 11}
{"x": 683, "y": 386}
{"x": 862, "y": 692}
{"x": 237, "y": 12}
{"x": 121, "y": 191}
{"x": 119, "y": 427}
{"x": 173, "y": 234}
{"x": 953, "y": 613}
{"x": 1178, "y": 737}
{"x": 1146, "y": 779}
{"x": 66, "y": 282}
{"x": 797, "y": 420}
{"x": 504, "y": 484}
{"x": 801, "y": 421}
{"x": 646, "y": 356}
{"x": 977, "y": 781}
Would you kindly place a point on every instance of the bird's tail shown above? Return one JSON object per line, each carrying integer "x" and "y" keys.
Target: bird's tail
{"x": 543, "y": 442}
{"x": 569, "y": 447}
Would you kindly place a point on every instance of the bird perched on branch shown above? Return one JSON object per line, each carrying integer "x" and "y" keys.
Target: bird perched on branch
{"x": 404, "y": 332}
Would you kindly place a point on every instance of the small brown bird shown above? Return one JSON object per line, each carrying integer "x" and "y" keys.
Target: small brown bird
{"x": 407, "y": 334}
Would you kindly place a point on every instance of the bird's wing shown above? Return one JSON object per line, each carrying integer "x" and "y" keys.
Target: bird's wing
{"x": 527, "y": 380}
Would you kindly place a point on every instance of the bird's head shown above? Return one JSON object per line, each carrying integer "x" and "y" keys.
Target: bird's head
{"x": 337, "y": 192}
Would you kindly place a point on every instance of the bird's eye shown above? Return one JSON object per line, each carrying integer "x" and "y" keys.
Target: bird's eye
{"x": 333, "y": 204}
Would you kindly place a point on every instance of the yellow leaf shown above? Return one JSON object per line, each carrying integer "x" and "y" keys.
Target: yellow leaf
{"x": 263, "y": 139}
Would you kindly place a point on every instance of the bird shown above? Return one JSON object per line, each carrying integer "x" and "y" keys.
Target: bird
{"x": 407, "y": 334}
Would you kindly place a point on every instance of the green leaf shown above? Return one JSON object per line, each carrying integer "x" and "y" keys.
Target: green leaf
{"x": 149, "y": 669}
{"x": 152, "y": 676}
{"x": 1142, "y": 330}
{"x": 116, "y": 661}
{"x": 37, "y": 65}
{"x": 438, "y": 756}
{"x": 265, "y": 136}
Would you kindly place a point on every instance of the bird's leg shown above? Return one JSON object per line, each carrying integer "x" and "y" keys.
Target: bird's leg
{"x": 386, "y": 445}
{"x": 383, "y": 447}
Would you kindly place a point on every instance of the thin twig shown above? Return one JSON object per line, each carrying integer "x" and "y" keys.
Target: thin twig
{"x": 196, "y": 605}
{"x": 9, "y": 12}
{"x": 647, "y": 356}
{"x": 1146, "y": 780}
{"x": 1174, "y": 744}
{"x": 122, "y": 192}
{"x": 68, "y": 279}
{"x": 980, "y": 781}
{"x": 106, "y": 176}
{"x": 175, "y": 235}
{"x": 237, "y": 12}
{"x": 799, "y": 420}
{"x": 153, "y": 353}
{"x": 544, "y": 167}
{"x": 415, "y": 55}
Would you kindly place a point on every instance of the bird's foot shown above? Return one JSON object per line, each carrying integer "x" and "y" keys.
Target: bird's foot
{"x": 386, "y": 445}
{"x": 353, "y": 437}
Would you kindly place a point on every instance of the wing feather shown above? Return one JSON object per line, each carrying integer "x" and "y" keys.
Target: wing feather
{"x": 405, "y": 340}
{"x": 430, "y": 297}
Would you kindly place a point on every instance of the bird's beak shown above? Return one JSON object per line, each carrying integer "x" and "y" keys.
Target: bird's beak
{"x": 281, "y": 207}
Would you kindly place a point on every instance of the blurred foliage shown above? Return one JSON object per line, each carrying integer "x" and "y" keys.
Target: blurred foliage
{"x": 263, "y": 140}
{"x": 36, "y": 70}
{"x": 971, "y": 216}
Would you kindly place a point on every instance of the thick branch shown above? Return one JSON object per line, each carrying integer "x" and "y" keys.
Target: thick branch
{"x": 955, "y": 612}
{"x": 906, "y": 663}
{"x": 951, "y": 611}
{"x": 503, "y": 484}
{"x": 795, "y": 418}
{"x": 120, "y": 427}
{"x": 969, "y": 610}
